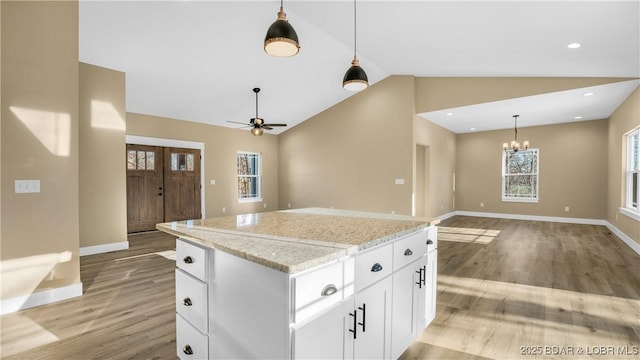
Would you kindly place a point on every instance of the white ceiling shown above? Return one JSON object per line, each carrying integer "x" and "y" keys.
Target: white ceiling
{"x": 199, "y": 60}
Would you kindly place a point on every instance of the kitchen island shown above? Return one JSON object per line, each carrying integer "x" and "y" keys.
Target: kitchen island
{"x": 304, "y": 283}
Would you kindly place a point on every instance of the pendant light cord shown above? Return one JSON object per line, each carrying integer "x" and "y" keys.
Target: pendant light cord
{"x": 355, "y": 27}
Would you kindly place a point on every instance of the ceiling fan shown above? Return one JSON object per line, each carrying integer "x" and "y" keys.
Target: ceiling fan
{"x": 257, "y": 124}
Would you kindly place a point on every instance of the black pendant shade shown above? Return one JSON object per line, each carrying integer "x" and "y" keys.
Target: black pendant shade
{"x": 355, "y": 78}
{"x": 281, "y": 39}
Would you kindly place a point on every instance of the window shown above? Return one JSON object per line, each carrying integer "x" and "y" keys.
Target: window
{"x": 249, "y": 177}
{"x": 631, "y": 208}
{"x": 520, "y": 175}
{"x": 182, "y": 162}
{"x": 140, "y": 160}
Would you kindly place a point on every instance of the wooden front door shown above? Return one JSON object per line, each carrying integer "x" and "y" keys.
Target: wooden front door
{"x": 182, "y": 184}
{"x": 145, "y": 204}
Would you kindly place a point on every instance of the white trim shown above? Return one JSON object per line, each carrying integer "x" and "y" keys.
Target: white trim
{"x": 153, "y": 141}
{"x": 635, "y": 215}
{"x": 104, "y": 248}
{"x": 40, "y": 298}
{"x": 447, "y": 215}
{"x": 629, "y": 241}
{"x": 534, "y": 218}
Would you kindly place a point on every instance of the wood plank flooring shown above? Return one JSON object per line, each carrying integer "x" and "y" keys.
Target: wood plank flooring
{"x": 507, "y": 289}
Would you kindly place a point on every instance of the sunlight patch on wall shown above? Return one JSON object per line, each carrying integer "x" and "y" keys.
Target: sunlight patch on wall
{"x": 52, "y": 129}
{"x": 105, "y": 116}
{"x": 21, "y": 276}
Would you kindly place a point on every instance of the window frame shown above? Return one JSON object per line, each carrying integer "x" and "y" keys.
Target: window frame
{"x": 504, "y": 196}
{"x": 628, "y": 209}
{"x": 257, "y": 176}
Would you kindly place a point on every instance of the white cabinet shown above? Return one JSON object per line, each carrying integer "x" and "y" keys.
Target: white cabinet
{"x": 409, "y": 295}
{"x": 371, "y": 316}
{"x": 431, "y": 287}
{"x": 191, "y": 301}
{"x": 327, "y": 336}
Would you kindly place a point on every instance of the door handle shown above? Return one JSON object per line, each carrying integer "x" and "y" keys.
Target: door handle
{"x": 159, "y": 194}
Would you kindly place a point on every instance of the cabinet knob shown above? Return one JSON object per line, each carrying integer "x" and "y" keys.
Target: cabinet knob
{"x": 187, "y": 350}
{"x": 188, "y": 260}
{"x": 329, "y": 290}
{"x": 187, "y": 302}
{"x": 376, "y": 267}
{"x": 429, "y": 242}
{"x": 408, "y": 252}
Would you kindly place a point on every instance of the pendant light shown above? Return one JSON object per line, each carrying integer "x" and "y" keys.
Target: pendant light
{"x": 281, "y": 39}
{"x": 515, "y": 145}
{"x": 355, "y": 79}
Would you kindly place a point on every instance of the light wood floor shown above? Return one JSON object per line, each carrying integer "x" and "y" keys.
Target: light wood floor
{"x": 506, "y": 289}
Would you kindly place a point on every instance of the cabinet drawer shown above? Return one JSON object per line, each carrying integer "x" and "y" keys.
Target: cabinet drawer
{"x": 373, "y": 265}
{"x": 317, "y": 290}
{"x": 191, "y": 258}
{"x": 191, "y": 300}
{"x": 190, "y": 343}
{"x": 408, "y": 249}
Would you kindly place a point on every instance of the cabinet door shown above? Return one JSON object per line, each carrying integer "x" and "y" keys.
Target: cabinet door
{"x": 326, "y": 337}
{"x": 408, "y": 305}
{"x": 431, "y": 288}
{"x": 373, "y": 309}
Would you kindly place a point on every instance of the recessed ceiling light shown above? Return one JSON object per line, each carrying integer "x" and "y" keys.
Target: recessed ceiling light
{"x": 578, "y": 117}
{"x": 574, "y": 45}
{"x": 473, "y": 129}
{"x": 449, "y": 113}
{"x": 588, "y": 94}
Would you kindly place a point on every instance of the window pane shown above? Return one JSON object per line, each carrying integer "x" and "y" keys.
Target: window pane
{"x": 635, "y": 149}
{"x": 520, "y": 186}
{"x": 189, "y": 162}
{"x": 174, "y": 162}
{"x": 151, "y": 161}
{"x": 131, "y": 159}
{"x": 141, "y": 160}
{"x": 243, "y": 164}
{"x": 634, "y": 190}
{"x": 182, "y": 162}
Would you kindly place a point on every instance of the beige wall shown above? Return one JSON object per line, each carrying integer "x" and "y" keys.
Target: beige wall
{"x": 624, "y": 119}
{"x": 103, "y": 201}
{"x": 441, "y": 151}
{"x": 39, "y": 240}
{"x": 349, "y": 156}
{"x": 445, "y": 92}
{"x": 221, "y": 145}
{"x": 573, "y": 157}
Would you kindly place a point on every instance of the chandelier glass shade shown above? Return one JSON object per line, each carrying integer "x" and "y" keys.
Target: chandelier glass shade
{"x": 514, "y": 145}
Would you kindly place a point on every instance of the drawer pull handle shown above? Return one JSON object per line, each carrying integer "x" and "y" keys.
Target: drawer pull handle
{"x": 408, "y": 252}
{"x": 429, "y": 242}
{"x": 376, "y": 267}
{"x": 188, "y": 260}
{"x": 329, "y": 290}
{"x": 187, "y": 350}
{"x": 363, "y": 308}
{"x": 187, "y": 302}
{"x": 354, "y": 314}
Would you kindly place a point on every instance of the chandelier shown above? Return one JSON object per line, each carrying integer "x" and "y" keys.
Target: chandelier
{"x": 515, "y": 145}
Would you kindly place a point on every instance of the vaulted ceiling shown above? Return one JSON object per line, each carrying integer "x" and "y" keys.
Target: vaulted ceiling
{"x": 199, "y": 60}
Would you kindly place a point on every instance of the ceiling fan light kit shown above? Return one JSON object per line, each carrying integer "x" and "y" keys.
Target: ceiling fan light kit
{"x": 281, "y": 39}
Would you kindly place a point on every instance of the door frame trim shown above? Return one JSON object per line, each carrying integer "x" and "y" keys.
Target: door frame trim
{"x": 153, "y": 141}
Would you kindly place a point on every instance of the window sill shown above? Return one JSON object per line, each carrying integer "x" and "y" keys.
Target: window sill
{"x": 249, "y": 200}
{"x": 634, "y": 214}
{"x": 523, "y": 200}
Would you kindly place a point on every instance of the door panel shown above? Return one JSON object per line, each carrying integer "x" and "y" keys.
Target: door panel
{"x": 144, "y": 188}
{"x": 182, "y": 184}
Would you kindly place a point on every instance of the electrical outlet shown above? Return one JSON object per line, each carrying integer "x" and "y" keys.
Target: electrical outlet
{"x": 566, "y": 209}
{"x": 481, "y": 204}
{"x": 265, "y": 205}
{"x": 289, "y": 205}
{"x": 224, "y": 209}
{"x": 212, "y": 182}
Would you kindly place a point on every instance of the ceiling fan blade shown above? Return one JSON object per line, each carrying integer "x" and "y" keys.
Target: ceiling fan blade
{"x": 235, "y": 122}
{"x": 274, "y": 125}
{"x": 267, "y": 127}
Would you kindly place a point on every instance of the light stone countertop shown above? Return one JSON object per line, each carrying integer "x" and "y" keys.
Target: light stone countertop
{"x": 295, "y": 240}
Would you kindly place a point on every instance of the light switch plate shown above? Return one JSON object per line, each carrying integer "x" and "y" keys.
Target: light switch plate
{"x": 27, "y": 186}
{"x": 399, "y": 181}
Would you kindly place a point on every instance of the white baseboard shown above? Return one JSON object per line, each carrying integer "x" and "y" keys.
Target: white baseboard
{"x": 533, "y": 218}
{"x": 627, "y": 240}
{"x": 40, "y": 298}
{"x": 99, "y": 249}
